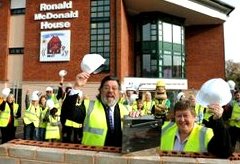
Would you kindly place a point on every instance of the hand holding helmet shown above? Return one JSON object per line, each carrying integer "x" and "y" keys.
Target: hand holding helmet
{"x": 216, "y": 110}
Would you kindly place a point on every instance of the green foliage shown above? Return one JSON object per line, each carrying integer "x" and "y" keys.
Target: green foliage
{"x": 232, "y": 72}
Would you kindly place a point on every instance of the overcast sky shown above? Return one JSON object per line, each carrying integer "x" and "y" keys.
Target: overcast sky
{"x": 232, "y": 32}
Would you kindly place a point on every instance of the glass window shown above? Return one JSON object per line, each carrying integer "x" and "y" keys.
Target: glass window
{"x": 164, "y": 44}
{"x": 100, "y": 29}
{"x": 146, "y": 32}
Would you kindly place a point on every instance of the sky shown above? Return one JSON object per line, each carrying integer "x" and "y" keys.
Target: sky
{"x": 232, "y": 32}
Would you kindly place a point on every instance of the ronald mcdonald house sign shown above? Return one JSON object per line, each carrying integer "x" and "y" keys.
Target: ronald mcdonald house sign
{"x": 55, "y": 35}
{"x": 46, "y": 13}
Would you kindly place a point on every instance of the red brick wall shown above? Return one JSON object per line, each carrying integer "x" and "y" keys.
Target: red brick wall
{"x": 125, "y": 40}
{"x": 205, "y": 54}
{"x": 34, "y": 70}
{"x": 4, "y": 33}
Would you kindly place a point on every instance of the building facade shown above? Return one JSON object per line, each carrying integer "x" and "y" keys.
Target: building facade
{"x": 181, "y": 41}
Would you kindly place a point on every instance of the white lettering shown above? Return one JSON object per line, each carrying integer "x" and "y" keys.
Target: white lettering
{"x": 55, "y": 25}
{"x": 58, "y": 6}
{"x": 48, "y": 15}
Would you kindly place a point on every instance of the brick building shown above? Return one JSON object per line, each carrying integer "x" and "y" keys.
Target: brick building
{"x": 179, "y": 41}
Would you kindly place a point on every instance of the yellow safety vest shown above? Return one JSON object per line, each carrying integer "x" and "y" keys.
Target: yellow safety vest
{"x": 235, "y": 115}
{"x": 207, "y": 114}
{"x": 147, "y": 106}
{"x": 5, "y": 115}
{"x": 32, "y": 115}
{"x": 199, "y": 113}
{"x": 52, "y": 128}
{"x": 197, "y": 140}
{"x": 43, "y": 113}
{"x": 95, "y": 125}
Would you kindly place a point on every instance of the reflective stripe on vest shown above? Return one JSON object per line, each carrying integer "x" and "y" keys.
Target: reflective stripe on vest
{"x": 86, "y": 127}
{"x": 52, "y": 129}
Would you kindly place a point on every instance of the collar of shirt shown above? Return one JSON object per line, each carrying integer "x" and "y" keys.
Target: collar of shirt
{"x": 178, "y": 144}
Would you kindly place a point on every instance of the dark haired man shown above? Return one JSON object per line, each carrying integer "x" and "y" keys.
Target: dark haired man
{"x": 102, "y": 117}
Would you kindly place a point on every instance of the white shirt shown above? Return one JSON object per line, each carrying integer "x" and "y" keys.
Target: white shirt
{"x": 178, "y": 145}
{"x": 111, "y": 110}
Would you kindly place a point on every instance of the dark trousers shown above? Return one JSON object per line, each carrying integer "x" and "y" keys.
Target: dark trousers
{"x": 8, "y": 133}
{"x": 235, "y": 135}
{"x": 30, "y": 132}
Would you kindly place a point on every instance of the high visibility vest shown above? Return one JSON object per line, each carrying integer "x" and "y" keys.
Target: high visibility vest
{"x": 95, "y": 125}
{"x": 197, "y": 140}
{"x": 52, "y": 128}
{"x": 43, "y": 113}
{"x": 147, "y": 106}
{"x": 32, "y": 115}
{"x": 5, "y": 115}
{"x": 199, "y": 113}
{"x": 206, "y": 114}
{"x": 235, "y": 115}
{"x": 71, "y": 123}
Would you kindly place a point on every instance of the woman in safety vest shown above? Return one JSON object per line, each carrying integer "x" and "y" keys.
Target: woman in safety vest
{"x": 9, "y": 113}
{"x": 31, "y": 118}
{"x": 186, "y": 135}
{"x": 53, "y": 126}
{"x": 43, "y": 114}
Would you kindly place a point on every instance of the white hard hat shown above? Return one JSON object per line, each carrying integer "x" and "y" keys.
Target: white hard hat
{"x": 50, "y": 104}
{"x": 34, "y": 97}
{"x": 130, "y": 88}
{"x": 62, "y": 73}
{"x": 91, "y": 62}
{"x": 6, "y": 92}
{"x": 231, "y": 84}
{"x": 180, "y": 95}
{"x": 37, "y": 93}
{"x": 49, "y": 89}
{"x": 214, "y": 91}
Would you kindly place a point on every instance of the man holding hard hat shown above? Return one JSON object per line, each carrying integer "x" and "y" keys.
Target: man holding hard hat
{"x": 102, "y": 117}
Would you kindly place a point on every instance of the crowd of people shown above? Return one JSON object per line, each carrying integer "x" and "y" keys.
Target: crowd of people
{"x": 70, "y": 117}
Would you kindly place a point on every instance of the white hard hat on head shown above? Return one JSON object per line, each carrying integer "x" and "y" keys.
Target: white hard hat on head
{"x": 91, "y": 62}
{"x": 180, "y": 95}
{"x": 231, "y": 84}
{"x": 34, "y": 97}
{"x": 214, "y": 91}
{"x": 6, "y": 92}
{"x": 49, "y": 89}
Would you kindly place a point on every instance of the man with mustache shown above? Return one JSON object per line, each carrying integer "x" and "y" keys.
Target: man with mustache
{"x": 99, "y": 127}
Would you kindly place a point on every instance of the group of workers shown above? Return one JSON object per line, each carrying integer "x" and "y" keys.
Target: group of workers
{"x": 189, "y": 126}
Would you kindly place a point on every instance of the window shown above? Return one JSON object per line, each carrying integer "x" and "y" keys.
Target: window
{"x": 100, "y": 29}
{"x": 162, "y": 49}
{"x": 18, "y": 7}
{"x": 18, "y": 50}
